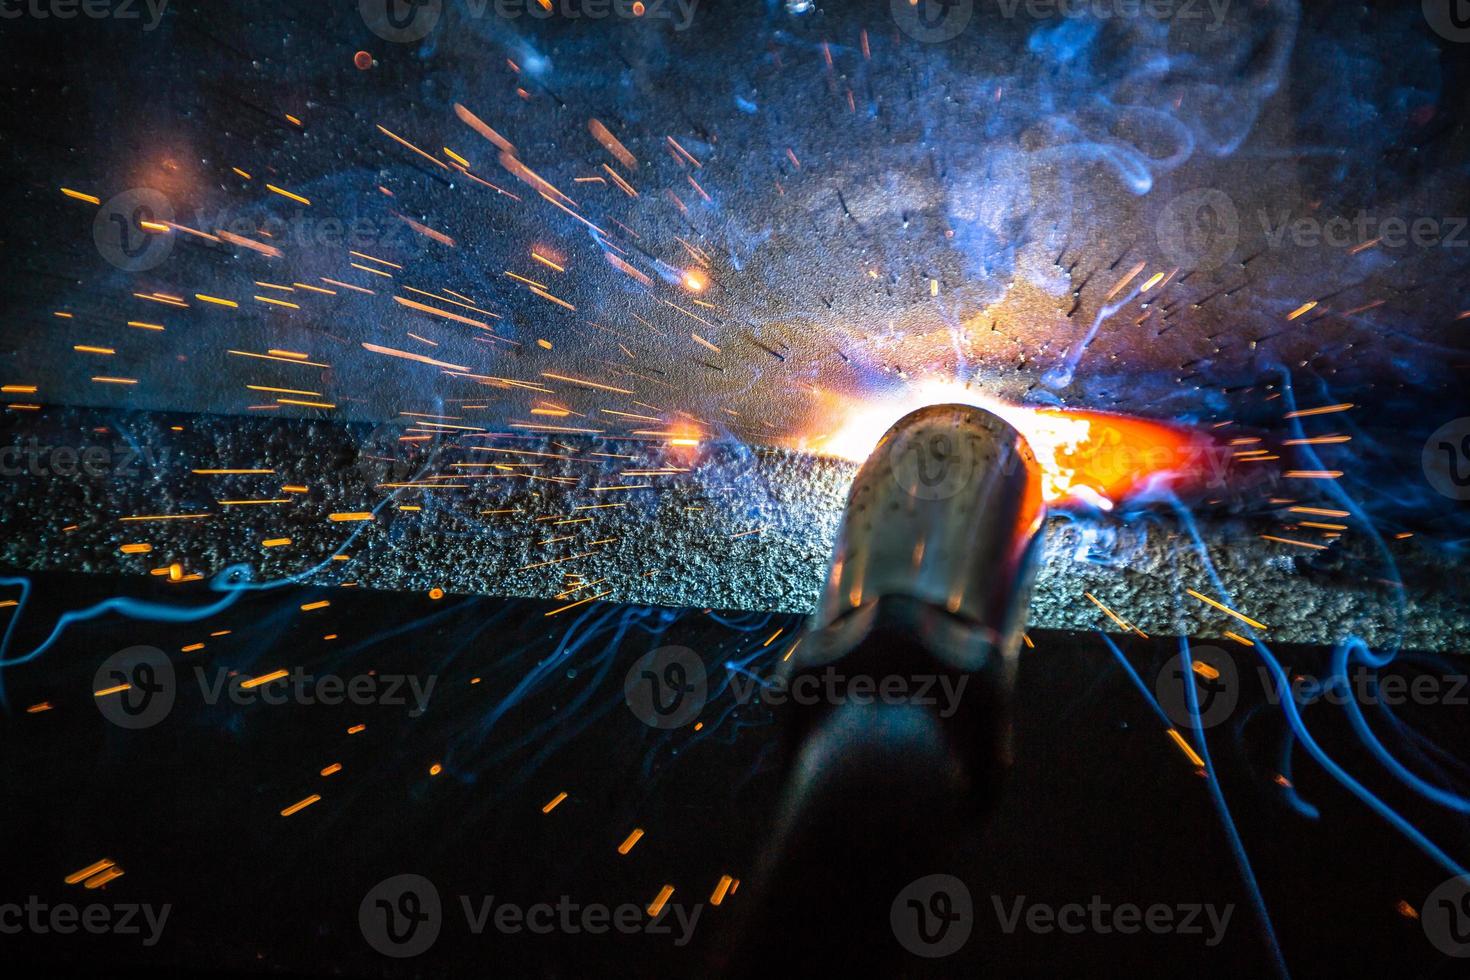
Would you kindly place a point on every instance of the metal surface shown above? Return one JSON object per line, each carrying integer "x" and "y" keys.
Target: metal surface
{"x": 930, "y": 576}
{"x": 745, "y": 530}
{"x": 947, "y": 511}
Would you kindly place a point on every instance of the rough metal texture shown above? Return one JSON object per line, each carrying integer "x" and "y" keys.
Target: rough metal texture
{"x": 743, "y": 529}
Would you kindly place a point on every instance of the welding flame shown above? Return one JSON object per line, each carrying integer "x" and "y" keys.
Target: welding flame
{"x": 1098, "y": 458}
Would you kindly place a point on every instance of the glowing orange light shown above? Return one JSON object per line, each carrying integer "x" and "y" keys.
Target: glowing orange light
{"x": 696, "y": 281}
{"x": 1095, "y": 457}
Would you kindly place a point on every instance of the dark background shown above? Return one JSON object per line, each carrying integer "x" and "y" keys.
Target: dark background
{"x": 1100, "y": 800}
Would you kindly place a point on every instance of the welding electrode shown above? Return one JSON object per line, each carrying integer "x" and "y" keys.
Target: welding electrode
{"x": 891, "y": 772}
